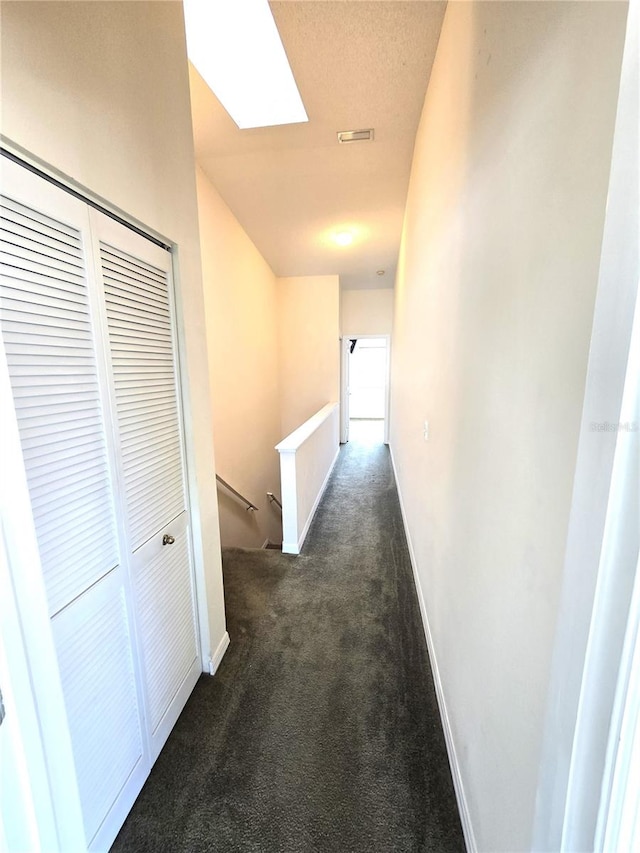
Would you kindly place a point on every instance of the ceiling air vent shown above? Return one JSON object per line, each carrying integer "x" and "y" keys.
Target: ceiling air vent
{"x": 355, "y": 135}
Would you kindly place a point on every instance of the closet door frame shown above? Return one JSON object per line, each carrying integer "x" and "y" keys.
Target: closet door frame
{"x": 30, "y": 635}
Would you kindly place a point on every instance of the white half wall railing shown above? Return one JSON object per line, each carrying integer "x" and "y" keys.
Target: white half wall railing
{"x": 307, "y": 457}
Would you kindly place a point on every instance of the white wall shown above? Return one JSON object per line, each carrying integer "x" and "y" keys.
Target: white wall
{"x": 309, "y": 346}
{"x": 273, "y": 362}
{"x": 307, "y": 457}
{"x": 242, "y": 329}
{"x": 100, "y": 92}
{"x": 493, "y": 312}
{"x": 366, "y": 312}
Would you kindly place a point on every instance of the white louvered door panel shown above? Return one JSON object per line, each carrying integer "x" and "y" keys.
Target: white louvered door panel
{"x": 136, "y": 279}
{"x": 48, "y": 338}
{"x": 142, "y": 357}
{"x": 96, "y": 668}
{"x": 48, "y": 327}
{"x": 165, "y": 599}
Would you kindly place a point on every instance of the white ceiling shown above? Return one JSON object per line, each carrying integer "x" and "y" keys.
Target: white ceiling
{"x": 358, "y": 64}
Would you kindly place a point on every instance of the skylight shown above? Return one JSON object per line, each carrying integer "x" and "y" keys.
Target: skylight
{"x": 236, "y": 47}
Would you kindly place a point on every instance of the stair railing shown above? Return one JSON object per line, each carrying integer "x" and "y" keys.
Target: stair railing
{"x": 274, "y": 499}
{"x": 244, "y": 500}
{"x": 307, "y": 457}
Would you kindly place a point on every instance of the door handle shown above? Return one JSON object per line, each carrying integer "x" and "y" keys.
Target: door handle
{"x": 167, "y": 539}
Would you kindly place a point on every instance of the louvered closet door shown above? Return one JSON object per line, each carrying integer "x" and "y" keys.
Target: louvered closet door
{"x": 136, "y": 279}
{"x": 48, "y": 320}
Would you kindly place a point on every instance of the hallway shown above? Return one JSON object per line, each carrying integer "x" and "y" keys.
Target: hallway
{"x": 320, "y": 731}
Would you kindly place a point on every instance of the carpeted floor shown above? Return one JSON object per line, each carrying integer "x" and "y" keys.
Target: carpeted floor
{"x": 320, "y": 732}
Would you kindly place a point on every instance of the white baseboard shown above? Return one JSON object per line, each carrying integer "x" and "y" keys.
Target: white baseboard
{"x": 217, "y": 656}
{"x": 296, "y": 547}
{"x": 463, "y": 807}
{"x": 316, "y": 504}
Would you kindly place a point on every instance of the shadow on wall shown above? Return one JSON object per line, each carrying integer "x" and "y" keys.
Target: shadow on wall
{"x": 245, "y": 524}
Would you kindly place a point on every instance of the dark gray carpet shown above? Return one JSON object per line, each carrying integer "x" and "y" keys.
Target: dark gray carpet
{"x": 320, "y": 731}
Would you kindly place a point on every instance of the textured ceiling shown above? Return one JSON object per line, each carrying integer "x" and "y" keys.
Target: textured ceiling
{"x": 358, "y": 64}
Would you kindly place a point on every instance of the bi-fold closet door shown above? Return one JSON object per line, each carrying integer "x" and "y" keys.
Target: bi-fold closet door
{"x": 87, "y": 322}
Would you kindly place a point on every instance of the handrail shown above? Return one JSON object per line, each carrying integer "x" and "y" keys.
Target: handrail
{"x": 274, "y": 499}
{"x": 236, "y": 493}
{"x": 307, "y": 457}
{"x": 293, "y": 441}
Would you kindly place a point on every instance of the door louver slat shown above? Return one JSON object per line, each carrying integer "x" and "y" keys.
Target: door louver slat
{"x": 49, "y": 287}
{"x": 36, "y": 221}
{"x": 18, "y": 276}
{"x": 54, "y": 269}
{"x": 124, "y": 265}
{"x": 97, "y": 674}
{"x": 159, "y": 443}
{"x": 26, "y": 314}
{"x": 165, "y": 596}
{"x": 129, "y": 290}
{"x": 152, "y": 494}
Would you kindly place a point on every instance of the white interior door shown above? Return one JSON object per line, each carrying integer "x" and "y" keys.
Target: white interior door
{"x": 349, "y": 405}
{"x": 87, "y": 320}
{"x": 48, "y": 329}
{"x": 135, "y": 277}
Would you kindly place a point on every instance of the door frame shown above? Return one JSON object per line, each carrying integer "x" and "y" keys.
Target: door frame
{"x": 344, "y": 382}
{"x": 45, "y": 752}
{"x": 586, "y": 799}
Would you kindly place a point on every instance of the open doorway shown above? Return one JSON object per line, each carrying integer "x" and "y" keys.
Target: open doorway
{"x": 365, "y": 389}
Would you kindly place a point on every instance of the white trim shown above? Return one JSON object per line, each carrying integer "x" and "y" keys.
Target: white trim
{"x": 613, "y": 780}
{"x": 574, "y": 781}
{"x": 618, "y": 566}
{"x": 293, "y": 441}
{"x": 454, "y": 764}
{"x": 344, "y": 389}
{"x": 191, "y": 479}
{"x": 216, "y": 657}
{"x": 304, "y": 456}
{"x": 265, "y": 544}
{"x": 619, "y": 816}
{"x": 295, "y": 548}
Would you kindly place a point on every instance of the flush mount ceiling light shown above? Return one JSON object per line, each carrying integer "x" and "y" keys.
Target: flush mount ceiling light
{"x": 343, "y": 238}
{"x": 237, "y": 50}
{"x": 343, "y": 234}
{"x": 379, "y": 272}
{"x": 355, "y": 136}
